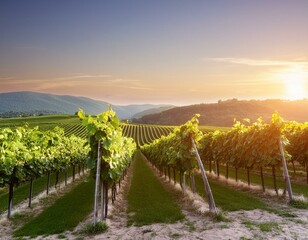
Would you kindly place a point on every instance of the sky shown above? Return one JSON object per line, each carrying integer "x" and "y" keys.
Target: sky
{"x": 160, "y": 51}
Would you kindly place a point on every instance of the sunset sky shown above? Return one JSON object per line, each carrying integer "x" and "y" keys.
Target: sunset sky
{"x": 168, "y": 51}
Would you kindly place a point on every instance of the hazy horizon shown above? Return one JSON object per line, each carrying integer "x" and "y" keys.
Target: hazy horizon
{"x": 170, "y": 52}
{"x": 176, "y": 105}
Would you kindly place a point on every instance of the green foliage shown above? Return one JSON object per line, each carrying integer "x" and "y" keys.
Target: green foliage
{"x": 246, "y": 145}
{"x": 27, "y": 153}
{"x": 176, "y": 149}
{"x": 297, "y": 134}
{"x": 115, "y": 150}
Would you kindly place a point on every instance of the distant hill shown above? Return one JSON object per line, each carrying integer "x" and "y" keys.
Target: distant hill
{"x": 223, "y": 113}
{"x": 29, "y": 103}
{"x": 152, "y": 111}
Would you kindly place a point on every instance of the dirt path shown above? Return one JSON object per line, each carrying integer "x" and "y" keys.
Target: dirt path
{"x": 255, "y": 224}
{"x": 198, "y": 224}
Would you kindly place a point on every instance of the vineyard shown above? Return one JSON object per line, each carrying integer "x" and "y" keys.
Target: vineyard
{"x": 102, "y": 148}
{"x": 141, "y": 133}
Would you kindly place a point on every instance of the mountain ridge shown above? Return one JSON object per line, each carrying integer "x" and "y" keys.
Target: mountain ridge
{"x": 223, "y": 113}
{"x": 35, "y": 102}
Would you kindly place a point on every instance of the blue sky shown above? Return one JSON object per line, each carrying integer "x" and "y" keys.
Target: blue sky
{"x": 178, "y": 52}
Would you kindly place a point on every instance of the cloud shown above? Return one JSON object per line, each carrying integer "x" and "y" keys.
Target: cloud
{"x": 75, "y": 81}
{"x": 258, "y": 62}
{"x": 82, "y": 76}
{"x": 6, "y": 78}
{"x": 139, "y": 88}
{"x": 123, "y": 80}
{"x": 72, "y": 79}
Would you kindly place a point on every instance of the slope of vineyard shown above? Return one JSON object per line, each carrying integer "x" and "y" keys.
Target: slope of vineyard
{"x": 141, "y": 133}
{"x": 254, "y": 148}
{"x": 223, "y": 152}
{"x": 224, "y": 112}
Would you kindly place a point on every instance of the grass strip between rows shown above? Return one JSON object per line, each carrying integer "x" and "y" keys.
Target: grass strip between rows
{"x": 255, "y": 178}
{"x": 226, "y": 197}
{"x": 65, "y": 214}
{"x": 230, "y": 199}
{"x": 21, "y": 192}
{"x": 148, "y": 200}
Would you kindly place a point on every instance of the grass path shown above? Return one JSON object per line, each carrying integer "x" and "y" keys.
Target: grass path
{"x": 226, "y": 197}
{"x": 65, "y": 214}
{"x": 298, "y": 188}
{"x": 21, "y": 192}
{"x": 148, "y": 201}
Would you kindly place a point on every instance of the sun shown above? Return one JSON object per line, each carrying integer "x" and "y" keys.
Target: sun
{"x": 294, "y": 80}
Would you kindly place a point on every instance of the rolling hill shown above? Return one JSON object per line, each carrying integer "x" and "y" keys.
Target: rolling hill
{"x": 41, "y": 103}
{"x": 151, "y": 111}
{"x": 223, "y": 113}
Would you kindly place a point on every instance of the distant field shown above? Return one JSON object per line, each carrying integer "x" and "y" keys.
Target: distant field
{"x": 213, "y": 128}
{"x": 141, "y": 133}
{"x": 41, "y": 121}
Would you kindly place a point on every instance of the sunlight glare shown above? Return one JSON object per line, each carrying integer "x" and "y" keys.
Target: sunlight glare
{"x": 294, "y": 80}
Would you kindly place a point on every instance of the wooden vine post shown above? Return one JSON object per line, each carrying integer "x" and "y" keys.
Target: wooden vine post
{"x": 184, "y": 182}
{"x": 205, "y": 180}
{"x": 262, "y": 179}
{"x": 11, "y": 192}
{"x": 102, "y": 201}
{"x": 192, "y": 182}
{"x": 285, "y": 171}
{"x": 48, "y": 182}
{"x": 97, "y": 181}
{"x": 30, "y": 192}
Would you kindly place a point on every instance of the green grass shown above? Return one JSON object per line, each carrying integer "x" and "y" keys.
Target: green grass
{"x": 64, "y": 214}
{"x": 213, "y": 128}
{"x": 220, "y": 217}
{"x": 268, "y": 226}
{"x": 42, "y": 121}
{"x": 3, "y": 191}
{"x": 264, "y": 227}
{"x": 91, "y": 229}
{"x": 249, "y": 225}
{"x": 283, "y": 213}
{"x": 228, "y": 198}
{"x": 299, "y": 204}
{"x": 300, "y": 189}
{"x": 255, "y": 178}
{"x": 21, "y": 192}
{"x": 148, "y": 201}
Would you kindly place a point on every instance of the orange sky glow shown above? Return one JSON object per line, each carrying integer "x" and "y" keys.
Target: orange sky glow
{"x": 156, "y": 52}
